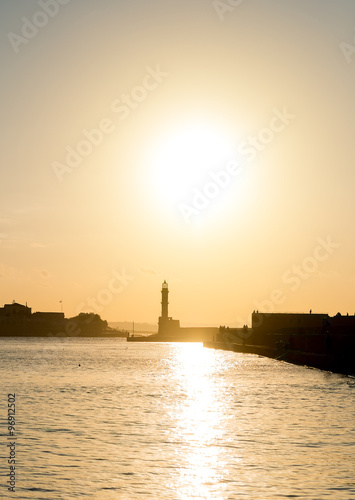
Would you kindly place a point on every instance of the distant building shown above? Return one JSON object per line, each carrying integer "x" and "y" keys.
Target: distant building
{"x": 15, "y": 310}
{"x": 310, "y": 333}
{"x": 291, "y": 322}
{"x": 18, "y": 320}
{"x": 48, "y": 316}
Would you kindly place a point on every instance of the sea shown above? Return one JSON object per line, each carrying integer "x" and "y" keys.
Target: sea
{"x": 105, "y": 419}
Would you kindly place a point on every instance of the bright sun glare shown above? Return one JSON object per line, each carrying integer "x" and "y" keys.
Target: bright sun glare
{"x": 185, "y": 156}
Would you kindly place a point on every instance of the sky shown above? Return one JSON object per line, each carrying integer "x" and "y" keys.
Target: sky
{"x": 205, "y": 143}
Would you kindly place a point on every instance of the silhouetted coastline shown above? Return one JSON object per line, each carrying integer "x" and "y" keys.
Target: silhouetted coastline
{"x": 17, "y": 320}
{"x": 315, "y": 340}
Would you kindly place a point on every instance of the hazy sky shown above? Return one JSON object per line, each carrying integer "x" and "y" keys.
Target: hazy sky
{"x": 208, "y": 143}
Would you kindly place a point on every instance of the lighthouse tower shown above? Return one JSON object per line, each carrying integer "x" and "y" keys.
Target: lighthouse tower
{"x": 164, "y": 301}
{"x": 167, "y": 326}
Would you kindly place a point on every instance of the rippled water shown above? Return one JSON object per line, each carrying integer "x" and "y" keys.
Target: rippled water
{"x": 103, "y": 419}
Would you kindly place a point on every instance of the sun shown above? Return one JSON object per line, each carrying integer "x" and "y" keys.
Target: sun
{"x": 185, "y": 155}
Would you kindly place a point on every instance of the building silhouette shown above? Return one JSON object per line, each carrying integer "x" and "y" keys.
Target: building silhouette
{"x": 17, "y": 319}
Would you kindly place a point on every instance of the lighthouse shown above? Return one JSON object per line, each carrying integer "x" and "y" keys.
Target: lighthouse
{"x": 164, "y": 300}
{"x": 167, "y": 326}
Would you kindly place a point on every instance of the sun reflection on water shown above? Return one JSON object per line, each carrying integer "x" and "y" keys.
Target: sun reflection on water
{"x": 199, "y": 420}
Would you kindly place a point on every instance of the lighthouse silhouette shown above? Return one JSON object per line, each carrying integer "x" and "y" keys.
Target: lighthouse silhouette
{"x": 167, "y": 325}
{"x": 164, "y": 300}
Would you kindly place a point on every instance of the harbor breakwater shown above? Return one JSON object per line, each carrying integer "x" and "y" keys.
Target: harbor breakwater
{"x": 342, "y": 362}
